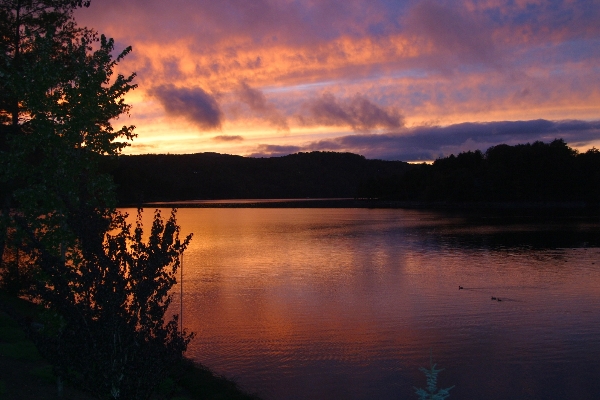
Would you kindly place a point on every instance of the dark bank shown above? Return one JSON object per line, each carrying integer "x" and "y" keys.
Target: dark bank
{"x": 525, "y": 176}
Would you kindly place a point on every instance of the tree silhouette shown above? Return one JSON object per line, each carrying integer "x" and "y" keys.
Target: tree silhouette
{"x": 431, "y": 391}
{"x": 531, "y": 172}
{"x": 57, "y": 98}
{"x": 106, "y": 293}
{"x": 107, "y": 331}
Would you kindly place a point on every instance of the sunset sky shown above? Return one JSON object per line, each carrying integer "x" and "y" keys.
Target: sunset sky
{"x": 392, "y": 79}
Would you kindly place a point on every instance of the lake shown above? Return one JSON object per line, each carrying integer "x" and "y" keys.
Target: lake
{"x": 349, "y": 303}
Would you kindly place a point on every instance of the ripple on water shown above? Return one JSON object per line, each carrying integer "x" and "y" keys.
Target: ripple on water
{"x": 343, "y": 303}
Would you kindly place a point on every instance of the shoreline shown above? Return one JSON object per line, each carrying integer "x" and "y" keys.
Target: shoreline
{"x": 578, "y": 208}
{"x": 33, "y": 378}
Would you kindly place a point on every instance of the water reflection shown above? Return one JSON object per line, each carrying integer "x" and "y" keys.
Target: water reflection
{"x": 348, "y": 303}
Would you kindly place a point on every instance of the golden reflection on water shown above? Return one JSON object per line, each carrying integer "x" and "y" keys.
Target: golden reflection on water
{"x": 348, "y": 303}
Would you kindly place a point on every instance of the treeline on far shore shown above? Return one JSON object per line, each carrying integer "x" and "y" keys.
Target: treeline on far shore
{"x": 536, "y": 172}
{"x": 206, "y": 176}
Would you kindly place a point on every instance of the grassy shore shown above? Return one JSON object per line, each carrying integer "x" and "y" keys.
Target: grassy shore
{"x": 25, "y": 375}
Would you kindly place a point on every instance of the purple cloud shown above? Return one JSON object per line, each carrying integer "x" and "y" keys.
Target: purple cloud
{"x": 456, "y": 35}
{"x": 432, "y": 59}
{"x": 193, "y": 104}
{"x": 357, "y": 112}
{"x": 431, "y": 142}
{"x": 228, "y": 138}
{"x": 257, "y": 102}
{"x": 271, "y": 150}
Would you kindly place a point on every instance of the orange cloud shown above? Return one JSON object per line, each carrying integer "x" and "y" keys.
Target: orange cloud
{"x": 284, "y": 71}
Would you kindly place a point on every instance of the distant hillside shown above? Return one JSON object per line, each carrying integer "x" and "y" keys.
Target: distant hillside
{"x": 146, "y": 178}
{"x": 536, "y": 172}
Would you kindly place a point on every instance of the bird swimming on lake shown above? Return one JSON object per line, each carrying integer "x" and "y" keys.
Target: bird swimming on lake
{"x": 460, "y": 287}
{"x": 493, "y": 298}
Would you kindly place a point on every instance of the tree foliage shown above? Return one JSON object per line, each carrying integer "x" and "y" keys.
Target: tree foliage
{"x": 106, "y": 288}
{"x": 108, "y": 333}
{"x": 431, "y": 391}
{"x": 532, "y": 172}
{"x": 58, "y": 96}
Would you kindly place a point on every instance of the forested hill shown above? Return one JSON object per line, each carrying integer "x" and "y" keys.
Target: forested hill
{"x": 147, "y": 178}
{"x": 536, "y": 172}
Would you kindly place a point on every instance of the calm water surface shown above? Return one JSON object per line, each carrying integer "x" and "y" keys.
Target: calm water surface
{"x": 349, "y": 303}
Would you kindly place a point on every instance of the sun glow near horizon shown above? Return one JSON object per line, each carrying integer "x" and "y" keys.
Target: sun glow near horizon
{"x": 274, "y": 77}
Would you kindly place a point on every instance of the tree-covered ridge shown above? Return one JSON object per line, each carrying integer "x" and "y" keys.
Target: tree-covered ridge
{"x": 521, "y": 173}
{"x": 146, "y": 178}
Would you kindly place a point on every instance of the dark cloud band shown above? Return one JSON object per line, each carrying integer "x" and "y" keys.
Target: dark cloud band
{"x": 358, "y": 112}
{"x": 228, "y": 138}
{"x": 431, "y": 142}
{"x": 193, "y": 104}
